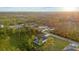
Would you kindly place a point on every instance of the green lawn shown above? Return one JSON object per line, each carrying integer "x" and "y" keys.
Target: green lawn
{"x": 53, "y": 44}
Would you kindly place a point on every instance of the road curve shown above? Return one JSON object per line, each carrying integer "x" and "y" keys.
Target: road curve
{"x": 71, "y": 47}
{"x": 65, "y": 39}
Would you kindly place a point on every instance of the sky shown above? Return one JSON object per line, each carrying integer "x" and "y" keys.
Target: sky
{"x": 27, "y": 9}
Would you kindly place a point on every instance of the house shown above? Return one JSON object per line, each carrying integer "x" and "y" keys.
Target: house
{"x": 1, "y": 26}
{"x": 40, "y": 41}
{"x": 45, "y": 28}
{"x": 74, "y": 45}
{"x": 16, "y": 26}
{"x": 41, "y": 28}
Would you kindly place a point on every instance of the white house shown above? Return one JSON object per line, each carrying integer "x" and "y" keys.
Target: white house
{"x": 1, "y": 26}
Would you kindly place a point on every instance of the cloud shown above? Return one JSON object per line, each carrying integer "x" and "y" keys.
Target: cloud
{"x": 23, "y": 9}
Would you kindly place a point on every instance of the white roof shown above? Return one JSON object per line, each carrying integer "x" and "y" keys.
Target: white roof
{"x": 47, "y": 35}
{"x": 1, "y": 26}
{"x": 43, "y": 27}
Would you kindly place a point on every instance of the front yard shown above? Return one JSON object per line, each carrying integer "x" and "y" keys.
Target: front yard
{"x": 52, "y": 44}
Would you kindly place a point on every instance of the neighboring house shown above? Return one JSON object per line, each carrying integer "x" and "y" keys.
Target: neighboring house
{"x": 41, "y": 28}
{"x": 31, "y": 25}
{"x": 1, "y": 26}
{"x": 16, "y": 26}
{"x": 13, "y": 26}
{"x": 71, "y": 47}
{"x": 45, "y": 28}
{"x": 74, "y": 45}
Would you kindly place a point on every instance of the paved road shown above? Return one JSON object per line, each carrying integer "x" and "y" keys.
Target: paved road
{"x": 71, "y": 46}
{"x": 66, "y": 39}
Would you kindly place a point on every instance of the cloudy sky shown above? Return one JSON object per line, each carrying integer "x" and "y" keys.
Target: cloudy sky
{"x": 34, "y": 9}
{"x": 37, "y": 9}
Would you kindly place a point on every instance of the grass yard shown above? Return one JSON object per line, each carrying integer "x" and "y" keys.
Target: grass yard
{"x": 53, "y": 44}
